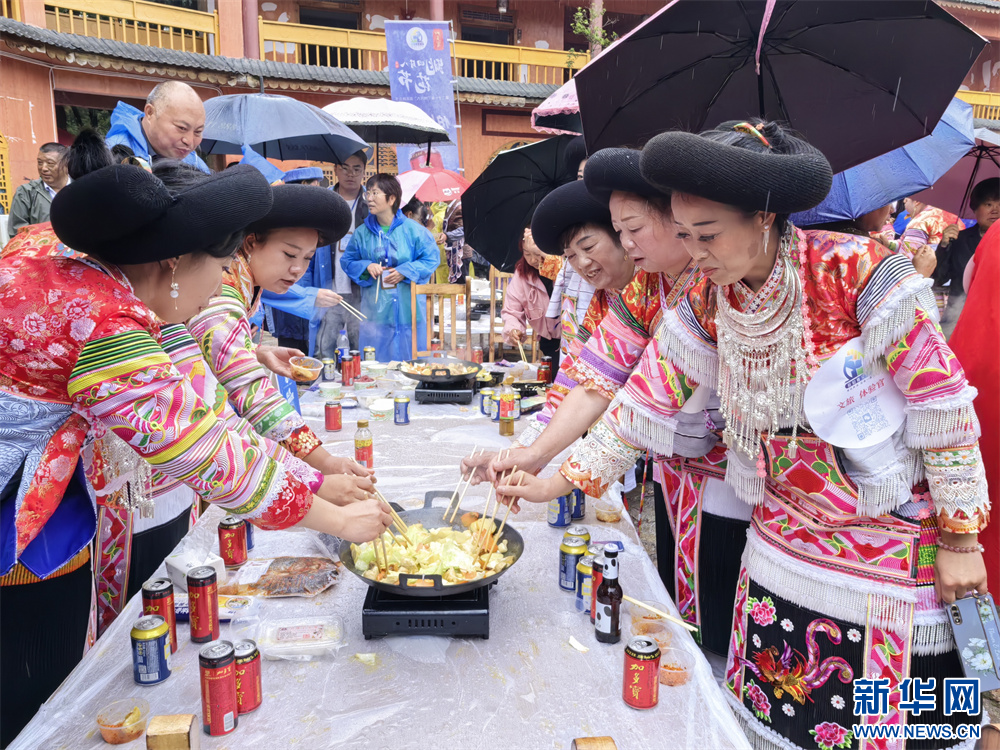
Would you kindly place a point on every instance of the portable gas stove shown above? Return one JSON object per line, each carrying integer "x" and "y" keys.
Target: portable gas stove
{"x": 464, "y": 615}
{"x": 458, "y": 391}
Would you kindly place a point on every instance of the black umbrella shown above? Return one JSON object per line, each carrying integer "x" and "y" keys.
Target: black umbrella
{"x": 500, "y": 203}
{"x": 856, "y": 79}
{"x": 278, "y": 127}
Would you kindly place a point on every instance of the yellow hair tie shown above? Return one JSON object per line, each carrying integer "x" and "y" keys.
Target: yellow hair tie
{"x": 746, "y": 127}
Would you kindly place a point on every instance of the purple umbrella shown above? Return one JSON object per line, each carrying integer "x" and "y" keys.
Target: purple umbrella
{"x": 856, "y": 79}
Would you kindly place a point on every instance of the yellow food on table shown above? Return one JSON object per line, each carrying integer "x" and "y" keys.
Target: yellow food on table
{"x": 443, "y": 551}
{"x": 453, "y": 368}
{"x": 133, "y": 716}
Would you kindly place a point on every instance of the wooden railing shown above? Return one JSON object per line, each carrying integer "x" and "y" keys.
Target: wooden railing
{"x": 985, "y": 105}
{"x": 136, "y": 21}
{"x": 10, "y": 9}
{"x": 365, "y": 50}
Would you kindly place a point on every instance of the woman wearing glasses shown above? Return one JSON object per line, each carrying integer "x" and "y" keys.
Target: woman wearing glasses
{"x": 385, "y": 256}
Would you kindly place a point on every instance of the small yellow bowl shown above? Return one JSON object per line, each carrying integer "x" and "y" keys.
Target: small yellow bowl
{"x": 305, "y": 369}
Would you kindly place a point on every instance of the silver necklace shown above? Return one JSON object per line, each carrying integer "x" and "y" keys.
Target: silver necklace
{"x": 762, "y": 358}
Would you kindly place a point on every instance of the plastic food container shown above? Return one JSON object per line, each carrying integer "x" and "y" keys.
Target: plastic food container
{"x": 642, "y": 615}
{"x": 301, "y": 638}
{"x": 111, "y": 720}
{"x": 305, "y": 368}
{"x": 608, "y": 511}
{"x": 676, "y": 666}
{"x": 381, "y": 409}
{"x": 658, "y": 631}
{"x": 330, "y": 391}
{"x": 364, "y": 383}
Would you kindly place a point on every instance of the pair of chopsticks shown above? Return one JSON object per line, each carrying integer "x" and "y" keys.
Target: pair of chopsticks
{"x": 356, "y": 313}
{"x": 490, "y": 523}
{"x": 468, "y": 483}
{"x": 383, "y": 564}
{"x": 396, "y": 521}
{"x": 378, "y": 287}
{"x": 661, "y": 613}
{"x": 521, "y": 349}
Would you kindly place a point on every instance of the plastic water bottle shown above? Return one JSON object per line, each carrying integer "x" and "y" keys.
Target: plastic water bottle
{"x": 343, "y": 345}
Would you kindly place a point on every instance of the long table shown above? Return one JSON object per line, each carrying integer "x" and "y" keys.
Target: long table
{"x": 524, "y": 687}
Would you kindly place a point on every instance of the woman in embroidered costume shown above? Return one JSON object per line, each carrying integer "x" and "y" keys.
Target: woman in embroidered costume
{"x": 274, "y": 255}
{"x": 849, "y": 553}
{"x": 80, "y": 341}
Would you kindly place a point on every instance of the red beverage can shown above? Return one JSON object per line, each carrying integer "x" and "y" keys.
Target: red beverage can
{"x": 219, "y": 712}
{"x": 249, "y": 693}
{"x": 598, "y": 577}
{"x": 347, "y": 371}
{"x": 233, "y": 541}
{"x": 158, "y": 599}
{"x": 203, "y": 601}
{"x": 334, "y": 415}
{"x": 641, "y": 680}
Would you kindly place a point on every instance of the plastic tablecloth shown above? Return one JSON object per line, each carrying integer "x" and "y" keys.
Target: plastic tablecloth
{"x": 524, "y": 687}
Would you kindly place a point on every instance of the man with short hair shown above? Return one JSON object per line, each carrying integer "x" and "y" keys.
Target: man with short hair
{"x": 350, "y": 186}
{"x": 169, "y": 127}
{"x": 32, "y": 200}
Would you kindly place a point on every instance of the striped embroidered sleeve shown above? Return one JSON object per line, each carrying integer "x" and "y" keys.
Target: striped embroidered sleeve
{"x": 643, "y": 414}
{"x": 223, "y": 333}
{"x": 613, "y": 348}
{"x": 124, "y": 380}
{"x": 898, "y": 317}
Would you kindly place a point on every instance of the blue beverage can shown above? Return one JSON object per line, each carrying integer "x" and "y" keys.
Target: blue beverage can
{"x": 401, "y": 410}
{"x": 584, "y": 582}
{"x": 495, "y": 408}
{"x": 571, "y": 551}
{"x": 150, "y": 650}
{"x": 249, "y": 536}
{"x": 559, "y": 511}
{"x": 579, "y": 504}
{"x": 485, "y": 401}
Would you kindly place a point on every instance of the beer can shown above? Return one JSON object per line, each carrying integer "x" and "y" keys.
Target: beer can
{"x": 477, "y": 355}
{"x": 249, "y": 693}
{"x": 641, "y": 680}
{"x": 369, "y": 353}
{"x": 559, "y": 511}
{"x": 401, "y": 410}
{"x": 219, "y": 709}
{"x": 158, "y": 599}
{"x": 347, "y": 370}
{"x": 570, "y": 552}
{"x": 233, "y": 541}
{"x": 495, "y": 407}
{"x": 249, "y": 537}
{"x": 579, "y": 504}
{"x": 203, "y": 602}
{"x": 333, "y": 413}
{"x": 150, "y": 650}
{"x": 584, "y": 581}
{"x": 597, "y": 576}
{"x": 357, "y": 362}
{"x": 329, "y": 370}
{"x": 580, "y": 531}
{"x": 485, "y": 401}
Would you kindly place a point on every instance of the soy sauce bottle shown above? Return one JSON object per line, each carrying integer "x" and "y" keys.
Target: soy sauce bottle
{"x": 607, "y": 617}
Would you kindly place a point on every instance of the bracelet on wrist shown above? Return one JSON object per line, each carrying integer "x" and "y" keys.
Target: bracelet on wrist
{"x": 965, "y": 550}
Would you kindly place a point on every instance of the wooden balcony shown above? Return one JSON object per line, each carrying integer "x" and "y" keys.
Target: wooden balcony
{"x": 135, "y": 21}
{"x": 365, "y": 50}
{"x": 985, "y": 105}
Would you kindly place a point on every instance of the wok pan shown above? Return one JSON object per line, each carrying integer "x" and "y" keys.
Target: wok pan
{"x": 430, "y": 517}
{"x": 442, "y": 375}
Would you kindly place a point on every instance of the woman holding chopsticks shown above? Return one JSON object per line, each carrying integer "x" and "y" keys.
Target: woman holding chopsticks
{"x": 385, "y": 256}
{"x": 274, "y": 255}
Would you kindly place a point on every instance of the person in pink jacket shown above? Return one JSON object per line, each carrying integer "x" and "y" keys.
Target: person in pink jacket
{"x": 526, "y": 300}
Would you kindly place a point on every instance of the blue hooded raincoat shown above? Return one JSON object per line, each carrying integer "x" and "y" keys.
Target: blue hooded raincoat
{"x": 408, "y": 248}
{"x": 126, "y": 129}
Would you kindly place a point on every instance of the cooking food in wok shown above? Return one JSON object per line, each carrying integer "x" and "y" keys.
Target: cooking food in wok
{"x": 439, "y": 369}
{"x": 442, "y": 551}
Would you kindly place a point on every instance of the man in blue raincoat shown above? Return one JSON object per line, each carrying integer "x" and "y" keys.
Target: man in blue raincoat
{"x": 386, "y": 255}
{"x": 169, "y": 126}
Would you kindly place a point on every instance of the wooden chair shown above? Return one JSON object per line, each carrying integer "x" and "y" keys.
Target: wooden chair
{"x": 499, "y": 282}
{"x": 437, "y": 297}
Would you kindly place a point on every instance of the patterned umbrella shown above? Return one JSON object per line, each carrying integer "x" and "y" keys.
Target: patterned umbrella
{"x": 560, "y": 113}
{"x": 442, "y": 185}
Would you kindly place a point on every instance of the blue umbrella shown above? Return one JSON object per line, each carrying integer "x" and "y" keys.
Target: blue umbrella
{"x": 277, "y": 127}
{"x": 897, "y": 174}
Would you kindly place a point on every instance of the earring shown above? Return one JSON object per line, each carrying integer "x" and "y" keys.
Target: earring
{"x": 767, "y": 236}
{"x": 174, "y": 286}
